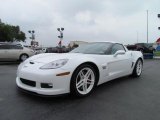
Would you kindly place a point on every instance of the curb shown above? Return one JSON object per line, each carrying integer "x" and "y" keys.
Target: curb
{"x": 156, "y": 57}
{"x": 9, "y": 63}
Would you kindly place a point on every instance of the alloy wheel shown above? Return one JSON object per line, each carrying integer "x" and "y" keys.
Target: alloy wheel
{"x": 139, "y": 67}
{"x": 85, "y": 80}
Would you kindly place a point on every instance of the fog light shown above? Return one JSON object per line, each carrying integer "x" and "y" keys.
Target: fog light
{"x": 46, "y": 85}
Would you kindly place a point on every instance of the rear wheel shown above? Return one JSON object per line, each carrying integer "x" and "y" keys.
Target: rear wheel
{"x": 138, "y": 68}
{"x": 83, "y": 81}
{"x": 23, "y": 57}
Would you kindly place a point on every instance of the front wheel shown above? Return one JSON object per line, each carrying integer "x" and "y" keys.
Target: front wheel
{"x": 138, "y": 68}
{"x": 83, "y": 81}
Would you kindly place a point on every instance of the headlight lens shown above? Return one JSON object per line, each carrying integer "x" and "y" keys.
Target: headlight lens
{"x": 55, "y": 64}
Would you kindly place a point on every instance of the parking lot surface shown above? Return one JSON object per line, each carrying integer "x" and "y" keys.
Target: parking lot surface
{"x": 126, "y": 98}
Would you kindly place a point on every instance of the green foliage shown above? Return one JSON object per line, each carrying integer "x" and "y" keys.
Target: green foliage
{"x": 157, "y": 53}
{"x": 11, "y": 33}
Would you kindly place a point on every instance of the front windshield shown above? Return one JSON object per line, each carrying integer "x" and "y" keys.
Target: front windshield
{"x": 93, "y": 48}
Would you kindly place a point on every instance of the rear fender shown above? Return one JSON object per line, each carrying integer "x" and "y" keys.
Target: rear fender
{"x": 135, "y": 56}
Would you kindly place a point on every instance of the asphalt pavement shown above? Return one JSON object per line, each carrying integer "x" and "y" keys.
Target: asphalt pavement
{"x": 126, "y": 98}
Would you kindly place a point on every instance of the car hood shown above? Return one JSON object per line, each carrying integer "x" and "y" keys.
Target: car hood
{"x": 50, "y": 57}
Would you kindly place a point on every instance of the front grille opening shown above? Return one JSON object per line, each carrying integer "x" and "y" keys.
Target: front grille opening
{"x": 28, "y": 82}
{"x": 46, "y": 85}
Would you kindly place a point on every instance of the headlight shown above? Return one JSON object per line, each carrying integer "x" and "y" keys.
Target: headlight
{"x": 55, "y": 64}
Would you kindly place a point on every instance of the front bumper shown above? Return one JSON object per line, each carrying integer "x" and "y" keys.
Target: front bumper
{"x": 43, "y": 79}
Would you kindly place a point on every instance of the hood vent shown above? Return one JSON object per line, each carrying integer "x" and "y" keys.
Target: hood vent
{"x": 31, "y": 62}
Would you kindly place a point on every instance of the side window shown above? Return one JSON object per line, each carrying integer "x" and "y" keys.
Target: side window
{"x": 4, "y": 47}
{"x": 10, "y": 46}
{"x": 1, "y": 46}
{"x": 15, "y": 47}
{"x": 19, "y": 47}
{"x": 116, "y": 47}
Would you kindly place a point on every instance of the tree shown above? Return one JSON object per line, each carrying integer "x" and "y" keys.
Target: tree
{"x": 10, "y": 33}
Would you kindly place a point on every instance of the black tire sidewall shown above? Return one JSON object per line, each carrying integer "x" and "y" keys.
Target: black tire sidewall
{"x": 73, "y": 89}
{"x": 20, "y": 58}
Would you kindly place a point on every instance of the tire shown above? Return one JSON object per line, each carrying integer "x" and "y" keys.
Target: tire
{"x": 23, "y": 57}
{"x": 138, "y": 68}
{"x": 83, "y": 81}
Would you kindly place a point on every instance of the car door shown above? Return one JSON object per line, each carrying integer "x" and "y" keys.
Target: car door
{"x": 15, "y": 51}
{"x": 119, "y": 65}
{"x": 4, "y": 52}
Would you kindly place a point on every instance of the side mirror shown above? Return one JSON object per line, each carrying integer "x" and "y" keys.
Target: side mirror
{"x": 119, "y": 52}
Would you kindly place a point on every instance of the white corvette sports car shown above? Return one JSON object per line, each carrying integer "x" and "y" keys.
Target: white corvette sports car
{"x": 79, "y": 71}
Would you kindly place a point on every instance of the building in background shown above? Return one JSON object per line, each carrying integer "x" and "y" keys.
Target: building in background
{"x": 34, "y": 43}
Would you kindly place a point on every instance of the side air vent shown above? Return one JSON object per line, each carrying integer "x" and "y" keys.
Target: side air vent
{"x": 31, "y": 62}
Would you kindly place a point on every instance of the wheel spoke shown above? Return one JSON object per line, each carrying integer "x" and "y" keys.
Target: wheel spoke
{"x": 81, "y": 75}
{"x": 84, "y": 87}
{"x": 79, "y": 84}
{"x": 90, "y": 82}
{"x": 88, "y": 74}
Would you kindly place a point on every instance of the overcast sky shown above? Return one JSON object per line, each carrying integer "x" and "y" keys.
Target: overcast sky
{"x": 84, "y": 20}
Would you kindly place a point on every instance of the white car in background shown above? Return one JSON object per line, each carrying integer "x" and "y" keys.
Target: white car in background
{"x": 10, "y": 52}
{"x": 79, "y": 71}
{"x": 40, "y": 50}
